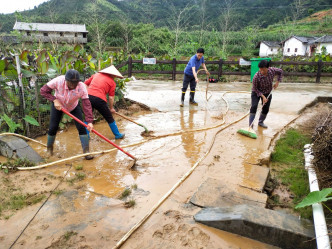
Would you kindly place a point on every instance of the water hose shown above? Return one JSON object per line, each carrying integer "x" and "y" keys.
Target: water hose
{"x": 97, "y": 133}
{"x": 125, "y": 146}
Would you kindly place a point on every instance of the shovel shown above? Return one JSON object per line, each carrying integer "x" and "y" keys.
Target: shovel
{"x": 100, "y": 135}
{"x": 125, "y": 117}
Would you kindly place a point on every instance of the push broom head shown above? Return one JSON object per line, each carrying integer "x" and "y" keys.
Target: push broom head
{"x": 248, "y": 132}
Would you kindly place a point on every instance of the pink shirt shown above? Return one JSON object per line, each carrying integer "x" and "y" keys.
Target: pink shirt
{"x": 68, "y": 98}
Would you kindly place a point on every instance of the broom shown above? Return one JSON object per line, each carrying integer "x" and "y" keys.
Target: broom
{"x": 249, "y": 132}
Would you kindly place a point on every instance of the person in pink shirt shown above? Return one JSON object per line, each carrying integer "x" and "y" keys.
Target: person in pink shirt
{"x": 67, "y": 91}
{"x": 99, "y": 85}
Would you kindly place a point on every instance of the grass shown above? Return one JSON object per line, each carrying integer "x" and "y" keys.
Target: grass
{"x": 69, "y": 234}
{"x": 12, "y": 164}
{"x": 58, "y": 192}
{"x": 130, "y": 203}
{"x": 79, "y": 167}
{"x": 79, "y": 176}
{"x": 125, "y": 193}
{"x": 18, "y": 201}
{"x": 287, "y": 161}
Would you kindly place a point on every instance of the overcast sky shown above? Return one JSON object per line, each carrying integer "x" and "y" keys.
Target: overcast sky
{"x": 10, "y": 6}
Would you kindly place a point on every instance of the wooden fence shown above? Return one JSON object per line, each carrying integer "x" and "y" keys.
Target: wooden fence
{"x": 220, "y": 72}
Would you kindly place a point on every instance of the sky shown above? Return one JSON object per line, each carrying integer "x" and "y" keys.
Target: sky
{"x": 10, "y": 6}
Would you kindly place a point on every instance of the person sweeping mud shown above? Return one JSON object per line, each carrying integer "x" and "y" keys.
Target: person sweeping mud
{"x": 190, "y": 76}
{"x": 68, "y": 90}
{"x": 99, "y": 85}
{"x": 262, "y": 85}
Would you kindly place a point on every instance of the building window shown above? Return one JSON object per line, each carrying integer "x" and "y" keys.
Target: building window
{"x": 61, "y": 33}
{"x": 271, "y": 49}
{"x": 75, "y": 34}
{"x": 45, "y": 34}
{"x": 84, "y": 35}
{"x": 288, "y": 49}
{"x": 295, "y": 50}
{"x": 28, "y": 33}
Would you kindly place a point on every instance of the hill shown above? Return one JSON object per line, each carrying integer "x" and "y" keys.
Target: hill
{"x": 189, "y": 15}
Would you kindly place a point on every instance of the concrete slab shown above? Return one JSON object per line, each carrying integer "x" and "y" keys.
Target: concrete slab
{"x": 215, "y": 193}
{"x": 255, "y": 177}
{"x": 15, "y": 147}
{"x": 265, "y": 225}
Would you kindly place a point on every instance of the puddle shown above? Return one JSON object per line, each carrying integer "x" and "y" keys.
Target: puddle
{"x": 162, "y": 162}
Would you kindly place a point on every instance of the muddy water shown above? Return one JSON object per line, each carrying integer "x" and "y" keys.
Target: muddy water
{"x": 162, "y": 162}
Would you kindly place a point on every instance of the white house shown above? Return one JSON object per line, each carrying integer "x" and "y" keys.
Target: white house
{"x": 52, "y": 32}
{"x": 267, "y": 48}
{"x": 298, "y": 45}
{"x": 324, "y": 41}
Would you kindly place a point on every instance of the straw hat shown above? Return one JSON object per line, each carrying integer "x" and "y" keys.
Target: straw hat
{"x": 112, "y": 71}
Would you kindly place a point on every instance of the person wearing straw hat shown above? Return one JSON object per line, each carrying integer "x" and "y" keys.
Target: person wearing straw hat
{"x": 190, "y": 76}
{"x": 68, "y": 90}
{"x": 99, "y": 85}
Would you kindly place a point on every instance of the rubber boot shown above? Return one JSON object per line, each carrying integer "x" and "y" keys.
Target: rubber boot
{"x": 182, "y": 99}
{"x": 251, "y": 119}
{"x": 87, "y": 131}
{"x": 262, "y": 117}
{"x": 85, "y": 146}
{"x": 50, "y": 143}
{"x": 115, "y": 131}
{"x": 192, "y": 98}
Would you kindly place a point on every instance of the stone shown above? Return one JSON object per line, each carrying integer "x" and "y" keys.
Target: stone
{"x": 15, "y": 147}
{"x": 215, "y": 193}
{"x": 265, "y": 225}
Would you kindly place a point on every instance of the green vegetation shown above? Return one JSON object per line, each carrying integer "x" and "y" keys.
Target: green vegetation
{"x": 287, "y": 164}
{"x": 12, "y": 164}
{"x": 79, "y": 176}
{"x": 321, "y": 196}
{"x": 58, "y": 192}
{"x": 79, "y": 167}
{"x": 9, "y": 201}
{"x": 69, "y": 234}
{"x": 126, "y": 192}
{"x": 130, "y": 203}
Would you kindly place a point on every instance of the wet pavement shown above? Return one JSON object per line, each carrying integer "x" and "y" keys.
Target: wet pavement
{"x": 92, "y": 208}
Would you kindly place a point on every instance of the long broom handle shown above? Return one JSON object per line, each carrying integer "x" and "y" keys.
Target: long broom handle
{"x": 97, "y": 133}
{"x": 268, "y": 96}
{"x": 125, "y": 117}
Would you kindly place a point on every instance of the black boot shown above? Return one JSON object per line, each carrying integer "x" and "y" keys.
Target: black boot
{"x": 50, "y": 142}
{"x": 182, "y": 99}
{"x": 262, "y": 117}
{"x": 192, "y": 98}
{"x": 251, "y": 120}
{"x": 85, "y": 146}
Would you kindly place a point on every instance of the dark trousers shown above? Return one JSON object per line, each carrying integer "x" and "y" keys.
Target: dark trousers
{"x": 254, "y": 103}
{"x": 188, "y": 79}
{"x": 101, "y": 106}
{"x": 56, "y": 119}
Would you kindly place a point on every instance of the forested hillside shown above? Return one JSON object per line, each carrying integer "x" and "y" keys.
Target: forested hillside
{"x": 194, "y": 14}
{"x": 176, "y": 28}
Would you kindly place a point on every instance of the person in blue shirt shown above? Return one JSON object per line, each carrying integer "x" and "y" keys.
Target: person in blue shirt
{"x": 190, "y": 76}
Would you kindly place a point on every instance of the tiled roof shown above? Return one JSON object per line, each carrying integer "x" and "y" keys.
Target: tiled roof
{"x": 54, "y": 27}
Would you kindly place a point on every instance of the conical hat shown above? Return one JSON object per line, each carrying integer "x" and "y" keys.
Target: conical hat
{"x": 112, "y": 71}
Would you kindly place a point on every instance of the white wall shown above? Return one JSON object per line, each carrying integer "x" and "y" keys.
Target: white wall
{"x": 292, "y": 44}
{"x": 327, "y": 45}
{"x": 265, "y": 50}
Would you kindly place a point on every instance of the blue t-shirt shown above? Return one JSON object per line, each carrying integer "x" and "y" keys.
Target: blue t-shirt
{"x": 193, "y": 62}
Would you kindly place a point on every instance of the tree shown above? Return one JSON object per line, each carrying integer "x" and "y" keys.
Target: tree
{"x": 178, "y": 21}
